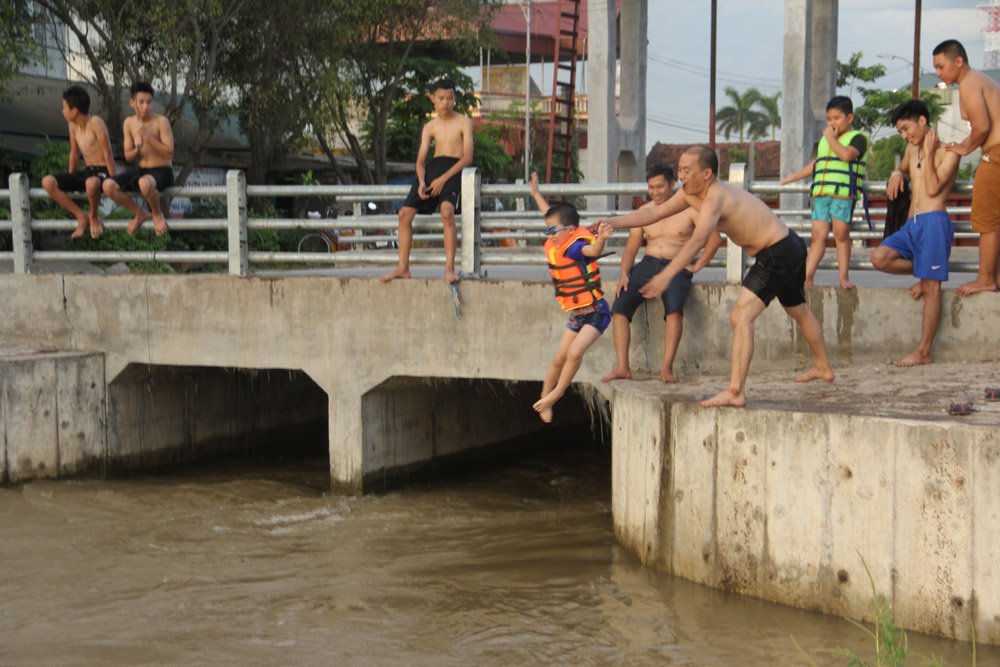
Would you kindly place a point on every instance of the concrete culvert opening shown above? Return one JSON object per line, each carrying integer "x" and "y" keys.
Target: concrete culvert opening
{"x": 167, "y": 415}
{"x": 415, "y": 429}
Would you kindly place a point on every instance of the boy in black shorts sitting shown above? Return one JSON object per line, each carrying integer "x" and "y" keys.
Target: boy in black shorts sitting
{"x": 440, "y": 181}
{"x": 150, "y": 141}
{"x": 88, "y": 136}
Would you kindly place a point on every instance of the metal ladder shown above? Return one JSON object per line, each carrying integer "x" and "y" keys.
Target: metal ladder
{"x": 562, "y": 122}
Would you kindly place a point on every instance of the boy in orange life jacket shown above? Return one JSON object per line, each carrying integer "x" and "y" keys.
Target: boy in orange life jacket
{"x": 837, "y": 179}
{"x": 572, "y": 253}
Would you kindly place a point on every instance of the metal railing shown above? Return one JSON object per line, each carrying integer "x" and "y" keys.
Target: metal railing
{"x": 478, "y": 226}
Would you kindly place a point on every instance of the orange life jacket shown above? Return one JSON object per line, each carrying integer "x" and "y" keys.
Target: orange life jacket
{"x": 577, "y": 283}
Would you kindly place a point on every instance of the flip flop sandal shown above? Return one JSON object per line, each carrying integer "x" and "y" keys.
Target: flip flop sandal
{"x": 961, "y": 409}
{"x": 992, "y": 394}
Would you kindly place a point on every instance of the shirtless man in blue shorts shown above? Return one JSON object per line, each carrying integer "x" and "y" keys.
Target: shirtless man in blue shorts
{"x": 780, "y": 269}
{"x": 923, "y": 245}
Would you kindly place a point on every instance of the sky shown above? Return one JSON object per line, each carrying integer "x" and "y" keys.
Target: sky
{"x": 750, "y": 41}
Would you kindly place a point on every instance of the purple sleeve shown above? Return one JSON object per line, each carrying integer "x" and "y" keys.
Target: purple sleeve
{"x": 575, "y": 251}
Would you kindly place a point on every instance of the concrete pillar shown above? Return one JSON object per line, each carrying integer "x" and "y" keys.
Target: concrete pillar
{"x": 236, "y": 205}
{"x": 797, "y": 119}
{"x": 616, "y": 142}
{"x": 825, "y": 15}
{"x": 471, "y": 221}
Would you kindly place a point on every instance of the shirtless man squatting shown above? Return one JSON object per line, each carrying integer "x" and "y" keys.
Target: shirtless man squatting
{"x": 979, "y": 101}
{"x": 664, "y": 238}
{"x": 922, "y": 246}
{"x": 440, "y": 182}
{"x": 88, "y": 135}
{"x": 150, "y": 141}
{"x": 779, "y": 270}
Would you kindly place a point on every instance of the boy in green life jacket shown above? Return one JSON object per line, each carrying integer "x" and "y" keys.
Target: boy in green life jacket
{"x": 838, "y": 173}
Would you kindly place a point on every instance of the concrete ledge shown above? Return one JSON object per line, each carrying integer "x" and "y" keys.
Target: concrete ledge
{"x": 783, "y": 500}
{"x": 51, "y": 414}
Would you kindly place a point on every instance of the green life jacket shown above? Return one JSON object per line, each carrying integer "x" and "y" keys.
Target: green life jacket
{"x": 833, "y": 177}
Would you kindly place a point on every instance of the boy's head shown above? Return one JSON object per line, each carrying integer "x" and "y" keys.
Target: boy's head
{"x": 560, "y": 218}
{"x": 660, "y": 183}
{"x": 76, "y": 101}
{"x": 949, "y": 60}
{"x": 443, "y": 95}
{"x": 840, "y": 114}
{"x": 141, "y": 99}
{"x": 911, "y": 119}
{"x": 697, "y": 168}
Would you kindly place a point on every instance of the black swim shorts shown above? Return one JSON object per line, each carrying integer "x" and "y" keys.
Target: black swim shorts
{"x": 451, "y": 192}
{"x": 780, "y": 271}
{"x": 673, "y": 297}
{"x": 129, "y": 182}
{"x": 78, "y": 182}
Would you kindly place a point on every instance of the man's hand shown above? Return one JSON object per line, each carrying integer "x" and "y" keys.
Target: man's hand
{"x": 930, "y": 145}
{"x": 422, "y": 190}
{"x": 604, "y": 230}
{"x": 895, "y": 185}
{"x": 622, "y": 285}
{"x": 655, "y": 287}
{"x": 437, "y": 185}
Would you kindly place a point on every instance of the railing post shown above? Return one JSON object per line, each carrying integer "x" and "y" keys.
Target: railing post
{"x": 236, "y": 207}
{"x": 736, "y": 256}
{"x": 519, "y": 204}
{"x": 20, "y": 217}
{"x": 472, "y": 252}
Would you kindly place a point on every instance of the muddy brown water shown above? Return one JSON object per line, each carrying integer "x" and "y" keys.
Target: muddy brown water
{"x": 255, "y": 563}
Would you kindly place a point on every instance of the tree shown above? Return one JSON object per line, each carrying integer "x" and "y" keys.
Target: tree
{"x": 21, "y": 46}
{"x": 741, "y": 115}
{"x": 771, "y": 109}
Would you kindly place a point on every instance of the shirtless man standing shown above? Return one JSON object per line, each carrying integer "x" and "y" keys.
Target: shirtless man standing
{"x": 441, "y": 180}
{"x": 150, "y": 141}
{"x": 88, "y": 135}
{"x": 778, "y": 272}
{"x": 979, "y": 99}
{"x": 923, "y": 245}
{"x": 663, "y": 239}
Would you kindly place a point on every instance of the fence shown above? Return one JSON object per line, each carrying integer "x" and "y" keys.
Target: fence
{"x": 478, "y": 225}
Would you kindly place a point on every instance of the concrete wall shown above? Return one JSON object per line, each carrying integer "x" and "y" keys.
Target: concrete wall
{"x": 351, "y": 335}
{"x": 785, "y": 505}
{"x": 51, "y": 415}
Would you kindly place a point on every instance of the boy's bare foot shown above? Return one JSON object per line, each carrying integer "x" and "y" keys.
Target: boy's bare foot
{"x": 617, "y": 374}
{"x": 915, "y": 358}
{"x": 667, "y": 375}
{"x": 824, "y": 373}
{"x": 396, "y": 273}
{"x": 81, "y": 225}
{"x": 137, "y": 222}
{"x": 974, "y": 286}
{"x": 451, "y": 277}
{"x": 160, "y": 225}
{"x": 96, "y": 227}
{"x": 916, "y": 292}
{"x": 846, "y": 284}
{"x": 725, "y": 398}
{"x": 543, "y": 406}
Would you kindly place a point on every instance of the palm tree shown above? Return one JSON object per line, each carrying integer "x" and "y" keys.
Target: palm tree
{"x": 772, "y": 112}
{"x": 735, "y": 118}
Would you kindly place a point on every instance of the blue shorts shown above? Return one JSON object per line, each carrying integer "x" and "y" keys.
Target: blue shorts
{"x": 673, "y": 297}
{"x": 925, "y": 240}
{"x": 827, "y": 209}
{"x": 599, "y": 318}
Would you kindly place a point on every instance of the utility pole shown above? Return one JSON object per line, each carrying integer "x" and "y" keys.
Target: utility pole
{"x": 526, "y": 8}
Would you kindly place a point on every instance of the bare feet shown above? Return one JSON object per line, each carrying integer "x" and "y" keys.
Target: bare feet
{"x": 160, "y": 225}
{"x": 396, "y": 273}
{"x": 81, "y": 225}
{"x": 617, "y": 374}
{"x": 451, "y": 277}
{"x": 96, "y": 227}
{"x": 916, "y": 292}
{"x": 137, "y": 222}
{"x": 726, "y": 398}
{"x": 667, "y": 375}
{"x": 824, "y": 373}
{"x": 543, "y": 406}
{"x": 975, "y": 286}
{"x": 915, "y": 358}
{"x": 846, "y": 284}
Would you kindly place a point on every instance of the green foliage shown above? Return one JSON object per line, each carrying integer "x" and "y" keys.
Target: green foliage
{"x": 743, "y": 116}
{"x": 882, "y": 157}
{"x": 964, "y": 174}
{"x": 852, "y": 71}
{"x": 54, "y": 159}
{"x": 491, "y": 157}
{"x": 21, "y": 45}
{"x": 117, "y": 240}
{"x": 877, "y": 104}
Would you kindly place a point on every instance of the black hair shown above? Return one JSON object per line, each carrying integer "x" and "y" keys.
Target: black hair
{"x": 77, "y": 98}
{"x": 707, "y": 159}
{"x": 568, "y": 215}
{"x": 951, "y": 48}
{"x": 910, "y": 110}
{"x": 442, "y": 84}
{"x": 140, "y": 87}
{"x": 841, "y": 103}
{"x": 661, "y": 170}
